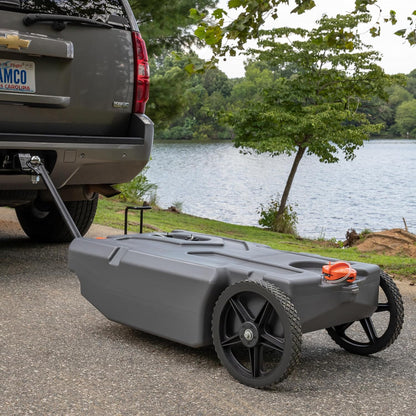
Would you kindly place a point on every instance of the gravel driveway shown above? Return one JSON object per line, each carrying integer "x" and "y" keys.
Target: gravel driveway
{"x": 60, "y": 356}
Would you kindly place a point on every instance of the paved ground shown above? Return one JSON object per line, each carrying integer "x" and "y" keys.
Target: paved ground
{"x": 59, "y": 356}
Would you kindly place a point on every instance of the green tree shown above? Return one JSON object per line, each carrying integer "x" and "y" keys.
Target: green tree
{"x": 258, "y": 77}
{"x": 378, "y": 111}
{"x": 397, "y": 95}
{"x": 224, "y": 36}
{"x": 214, "y": 80}
{"x": 168, "y": 84}
{"x": 188, "y": 106}
{"x": 314, "y": 111}
{"x": 166, "y": 25}
{"x": 411, "y": 83}
{"x": 406, "y": 118}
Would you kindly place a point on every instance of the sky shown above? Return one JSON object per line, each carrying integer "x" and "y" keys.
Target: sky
{"x": 397, "y": 55}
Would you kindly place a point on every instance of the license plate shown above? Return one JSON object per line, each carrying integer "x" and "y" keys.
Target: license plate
{"x": 17, "y": 76}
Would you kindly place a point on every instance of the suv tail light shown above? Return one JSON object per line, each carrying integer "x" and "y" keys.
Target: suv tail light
{"x": 141, "y": 74}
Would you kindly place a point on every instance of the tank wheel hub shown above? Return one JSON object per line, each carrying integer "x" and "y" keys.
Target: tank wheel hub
{"x": 249, "y": 334}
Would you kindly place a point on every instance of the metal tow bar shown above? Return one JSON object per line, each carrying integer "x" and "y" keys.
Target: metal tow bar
{"x": 35, "y": 165}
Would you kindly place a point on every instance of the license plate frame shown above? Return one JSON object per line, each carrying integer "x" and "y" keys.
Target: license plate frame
{"x": 17, "y": 76}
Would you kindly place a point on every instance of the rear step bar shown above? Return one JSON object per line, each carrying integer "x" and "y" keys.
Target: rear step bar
{"x": 33, "y": 165}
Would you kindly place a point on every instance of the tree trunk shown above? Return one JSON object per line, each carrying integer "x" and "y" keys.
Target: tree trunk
{"x": 283, "y": 201}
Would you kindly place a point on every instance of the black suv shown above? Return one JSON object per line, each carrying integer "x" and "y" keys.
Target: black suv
{"x": 74, "y": 82}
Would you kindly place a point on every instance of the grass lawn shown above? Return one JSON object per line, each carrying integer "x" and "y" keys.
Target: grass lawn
{"x": 111, "y": 213}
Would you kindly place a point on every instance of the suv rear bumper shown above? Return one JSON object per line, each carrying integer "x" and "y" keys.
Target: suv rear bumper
{"x": 82, "y": 160}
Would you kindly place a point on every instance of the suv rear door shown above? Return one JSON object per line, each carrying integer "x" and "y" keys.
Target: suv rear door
{"x": 65, "y": 77}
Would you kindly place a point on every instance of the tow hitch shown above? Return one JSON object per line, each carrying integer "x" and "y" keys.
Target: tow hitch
{"x": 33, "y": 165}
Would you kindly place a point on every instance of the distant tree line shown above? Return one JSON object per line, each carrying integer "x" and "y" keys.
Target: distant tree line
{"x": 200, "y": 106}
{"x": 399, "y": 113}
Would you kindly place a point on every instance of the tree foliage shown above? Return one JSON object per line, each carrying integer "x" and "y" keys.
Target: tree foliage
{"x": 315, "y": 109}
{"x": 188, "y": 106}
{"x": 226, "y": 36}
{"x": 411, "y": 83}
{"x": 406, "y": 118}
{"x": 166, "y": 25}
{"x": 137, "y": 189}
{"x": 195, "y": 107}
{"x": 169, "y": 86}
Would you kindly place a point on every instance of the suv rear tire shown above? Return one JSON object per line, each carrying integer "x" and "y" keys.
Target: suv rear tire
{"x": 44, "y": 223}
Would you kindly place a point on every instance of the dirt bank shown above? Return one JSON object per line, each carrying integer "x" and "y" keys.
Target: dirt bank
{"x": 395, "y": 242}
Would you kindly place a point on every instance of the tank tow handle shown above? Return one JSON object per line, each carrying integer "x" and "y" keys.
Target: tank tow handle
{"x": 34, "y": 164}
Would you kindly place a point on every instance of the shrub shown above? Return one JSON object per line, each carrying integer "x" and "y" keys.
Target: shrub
{"x": 286, "y": 223}
{"x": 137, "y": 189}
{"x": 177, "y": 206}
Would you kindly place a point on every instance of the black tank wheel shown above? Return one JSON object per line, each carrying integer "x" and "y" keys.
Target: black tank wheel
{"x": 43, "y": 221}
{"x": 256, "y": 333}
{"x": 374, "y": 334}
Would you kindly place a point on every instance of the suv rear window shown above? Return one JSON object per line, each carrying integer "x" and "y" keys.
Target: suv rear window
{"x": 81, "y": 8}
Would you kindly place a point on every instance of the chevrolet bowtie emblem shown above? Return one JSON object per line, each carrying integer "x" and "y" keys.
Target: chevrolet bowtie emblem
{"x": 14, "y": 42}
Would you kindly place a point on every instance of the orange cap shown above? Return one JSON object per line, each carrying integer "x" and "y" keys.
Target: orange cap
{"x": 339, "y": 270}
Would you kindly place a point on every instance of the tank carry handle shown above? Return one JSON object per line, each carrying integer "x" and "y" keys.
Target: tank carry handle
{"x": 126, "y": 213}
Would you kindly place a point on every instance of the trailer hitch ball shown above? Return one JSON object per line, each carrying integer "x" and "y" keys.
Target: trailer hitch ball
{"x": 35, "y": 161}
{"x": 338, "y": 272}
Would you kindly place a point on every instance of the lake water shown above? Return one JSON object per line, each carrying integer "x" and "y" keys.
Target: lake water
{"x": 213, "y": 180}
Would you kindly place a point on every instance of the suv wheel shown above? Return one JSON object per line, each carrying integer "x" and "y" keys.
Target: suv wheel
{"x": 43, "y": 222}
